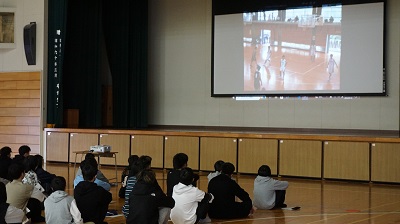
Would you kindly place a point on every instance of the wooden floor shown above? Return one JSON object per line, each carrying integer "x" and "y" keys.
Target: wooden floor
{"x": 320, "y": 201}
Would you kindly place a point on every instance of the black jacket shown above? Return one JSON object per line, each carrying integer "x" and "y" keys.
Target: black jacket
{"x": 144, "y": 201}
{"x": 224, "y": 190}
{"x": 92, "y": 201}
{"x": 5, "y": 162}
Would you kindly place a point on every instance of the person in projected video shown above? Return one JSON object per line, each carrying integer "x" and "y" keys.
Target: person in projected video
{"x": 268, "y": 59}
{"x": 257, "y": 78}
{"x": 283, "y": 66}
{"x": 331, "y": 66}
{"x": 254, "y": 55}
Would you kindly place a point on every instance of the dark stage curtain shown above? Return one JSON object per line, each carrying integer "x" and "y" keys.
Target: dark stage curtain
{"x": 56, "y": 38}
{"x": 126, "y": 32}
{"x": 111, "y": 33}
{"x": 82, "y": 81}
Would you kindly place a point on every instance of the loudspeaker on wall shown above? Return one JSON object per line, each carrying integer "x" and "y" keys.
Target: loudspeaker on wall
{"x": 30, "y": 43}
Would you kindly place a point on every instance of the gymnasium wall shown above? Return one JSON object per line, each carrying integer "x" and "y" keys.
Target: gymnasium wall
{"x": 180, "y": 80}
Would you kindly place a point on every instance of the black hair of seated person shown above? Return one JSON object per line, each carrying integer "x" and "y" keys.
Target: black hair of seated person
{"x": 24, "y": 149}
{"x": 58, "y": 183}
{"x": 218, "y": 165}
{"x": 89, "y": 155}
{"x": 89, "y": 171}
{"x": 30, "y": 163}
{"x": 228, "y": 168}
{"x": 39, "y": 160}
{"x": 15, "y": 170}
{"x": 5, "y": 151}
{"x": 264, "y": 171}
{"x": 186, "y": 176}
{"x": 180, "y": 160}
{"x": 147, "y": 176}
{"x": 91, "y": 161}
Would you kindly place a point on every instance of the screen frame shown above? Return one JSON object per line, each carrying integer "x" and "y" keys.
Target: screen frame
{"x": 240, "y": 6}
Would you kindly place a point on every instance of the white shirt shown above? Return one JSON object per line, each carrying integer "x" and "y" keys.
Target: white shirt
{"x": 186, "y": 199}
{"x": 14, "y": 215}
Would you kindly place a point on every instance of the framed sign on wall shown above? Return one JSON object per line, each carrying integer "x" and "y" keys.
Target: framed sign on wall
{"x": 7, "y": 27}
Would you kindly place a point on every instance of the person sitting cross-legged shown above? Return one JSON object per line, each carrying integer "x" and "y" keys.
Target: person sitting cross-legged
{"x": 91, "y": 199}
{"x": 225, "y": 191}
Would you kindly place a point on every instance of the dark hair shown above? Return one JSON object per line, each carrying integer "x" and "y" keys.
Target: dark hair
{"x": 147, "y": 176}
{"x": 3, "y": 193}
{"x": 89, "y": 171}
{"x": 58, "y": 183}
{"x": 218, "y": 165}
{"x": 30, "y": 163}
{"x": 228, "y": 168}
{"x": 144, "y": 162}
{"x": 15, "y": 170}
{"x": 186, "y": 176}
{"x": 132, "y": 159}
{"x": 5, "y": 151}
{"x": 89, "y": 155}
{"x": 90, "y": 161}
{"x": 264, "y": 171}
{"x": 180, "y": 160}
{"x": 24, "y": 149}
{"x": 39, "y": 160}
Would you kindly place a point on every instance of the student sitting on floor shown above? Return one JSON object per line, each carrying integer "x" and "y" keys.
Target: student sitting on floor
{"x": 43, "y": 176}
{"x": 191, "y": 203}
{"x": 24, "y": 196}
{"x": 217, "y": 168}
{"x": 59, "y": 206}
{"x": 9, "y": 213}
{"x": 148, "y": 203}
{"x": 125, "y": 174}
{"x": 91, "y": 199}
{"x": 179, "y": 161}
{"x": 92, "y": 162}
{"x": 225, "y": 191}
{"x": 100, "y": 176}
{"x": 268, "y": 192}
{"x": 5, "y": 162}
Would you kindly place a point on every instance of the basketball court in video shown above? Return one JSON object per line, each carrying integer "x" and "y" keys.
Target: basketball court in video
{"x": 292, "y": 50}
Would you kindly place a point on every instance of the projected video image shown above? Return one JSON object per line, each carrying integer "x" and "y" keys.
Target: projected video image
{"x": 293, "y": 49}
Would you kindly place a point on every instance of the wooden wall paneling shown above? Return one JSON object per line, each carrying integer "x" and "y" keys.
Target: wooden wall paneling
{"x": 213, "y": 149}
{"x": 346, "y": 160}
{"x": 57, "y": 146}
{"x": 177, "y": 144}
{"x": 118, "y": 143}
{"x": 20, "y": 110}
{"x": 252, "y": 153}
{"x": 300, "y": 158}
{"x": 385, "y": 162}
{"x": 81, "y": 142}
{"x": 149, "y": 145}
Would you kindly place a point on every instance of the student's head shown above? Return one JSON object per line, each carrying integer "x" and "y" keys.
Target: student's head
{"x": 180, "y": 160}
{"x": 218, "y": 165}
{"x": 16, "y": 171}
{"x": 147, "y": 176}
{"x": 3, "y": 193}
{"x": 24, "y": 150}
{"x": 30, "y": 163}
{"x": 132, "y": 159}
{"x": 186, "y": 176}
{"x": 89, "y": 155}
{"x": 89, "y": 172}
{"x": 89, "y": 160}
{"x": 39, "y": 160}
{"x": 228, "y": 168}
{"x": 5, "y": 151}
{"x": 144, "y": 162}
{"x": 264, "y": 171}
{"x": 331, "y": 55}
{"x": 58, "y": 183}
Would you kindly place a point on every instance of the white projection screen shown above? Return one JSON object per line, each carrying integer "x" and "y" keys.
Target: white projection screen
{"x": 274, "y": 49}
